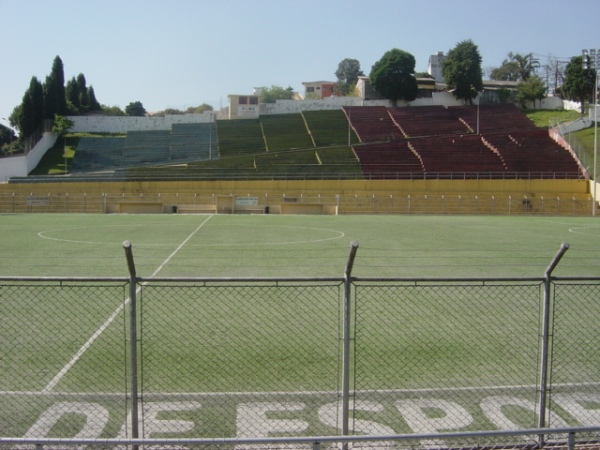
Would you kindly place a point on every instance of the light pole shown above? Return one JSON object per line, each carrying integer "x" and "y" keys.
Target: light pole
{"x": 590, "y": 61}
{"x": 210, "y": 136}
{"x": 479, "y": 95}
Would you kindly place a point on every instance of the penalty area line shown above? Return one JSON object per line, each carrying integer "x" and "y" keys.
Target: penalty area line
{"x": 112, "y": 317}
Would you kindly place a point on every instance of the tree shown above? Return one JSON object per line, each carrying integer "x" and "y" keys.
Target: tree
{"x": 135, "y": 109}
{"x": 424, "y": 75}
{"x": 579, "y": 83}
{"x": 61, "y": 126}
{"x": 111, "y": 110}
{"x": 7, "y": 135}
{"x": 504, "y": 94}
{"x": 82, "y": 90}
{"x": 93, "y": 103}
{"x": 199, "y": 109}
{"x": 531, "y": 90}
{"x": 27, "y": 116}
{"x": 554, "y": 73}
{"x": 13, "y": 119}
{"x": 55, "y": 101}
{"x": 31, "y": 111}
{"x": 72, "y": 93}
{"x": 393, "y": 76}
{"x": 347, "y": 75}
{"x": 508, "y": 71}
{"x": 516, "y": 68}
{"x": 36, "y": 92}
{"x": 462, "y": 71}
{"x": 526, "y": 64}
{"x": 274, "y": 93}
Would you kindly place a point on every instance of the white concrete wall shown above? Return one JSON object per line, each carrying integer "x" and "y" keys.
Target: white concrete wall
{"x": 122, "y": 124}
{"x": 571, "y": 105}
{"x": 21, "y": 165}
{"x": 11, "y": 166}
{"x": 295, "y": 106}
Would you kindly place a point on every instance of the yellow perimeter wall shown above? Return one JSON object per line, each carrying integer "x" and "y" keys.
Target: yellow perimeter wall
{"x": 304, "y": 197}
{"x": 307, "y": 187}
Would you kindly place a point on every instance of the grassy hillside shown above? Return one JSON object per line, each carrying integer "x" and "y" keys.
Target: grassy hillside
{"x": 543, "y": 118}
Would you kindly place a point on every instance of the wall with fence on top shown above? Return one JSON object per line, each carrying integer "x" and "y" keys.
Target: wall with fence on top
{"x": 557, "y": 197}
{"x": 243, "y": 358}
{"x": 556, "y": 204}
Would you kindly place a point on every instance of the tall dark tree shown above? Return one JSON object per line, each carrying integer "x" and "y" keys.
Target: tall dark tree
{"x": 393, "y": 76}
{"x": 36, "y": 92}
{"x": 347, "y": 75}
{"x": 84, "y": 101}
{"x": 55, "y": 101}
{"x": 93, "y": 103}
{"x": 72, "y": 93}
{"x": 26, "y": 119}
{"x": 462, "y": 71}
{"x": 579, "y": 82}
{"x": 30, "y": 115}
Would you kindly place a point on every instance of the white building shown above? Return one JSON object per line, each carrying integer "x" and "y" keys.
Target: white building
{"x": 434, "y": 68}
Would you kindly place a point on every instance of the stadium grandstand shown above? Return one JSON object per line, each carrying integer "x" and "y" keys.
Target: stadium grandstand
{"x": 354, "y": 143}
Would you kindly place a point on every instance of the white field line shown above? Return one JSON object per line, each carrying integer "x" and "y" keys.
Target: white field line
{"x": 112, "y": 317}
{"x": 294, "y": 393}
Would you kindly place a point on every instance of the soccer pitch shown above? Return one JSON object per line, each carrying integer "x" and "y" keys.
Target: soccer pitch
{"x": 284, "y": 246}
{"x": 239, "y": 359}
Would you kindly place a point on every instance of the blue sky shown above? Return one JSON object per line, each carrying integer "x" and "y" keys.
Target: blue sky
{"x": 180, "y": 53}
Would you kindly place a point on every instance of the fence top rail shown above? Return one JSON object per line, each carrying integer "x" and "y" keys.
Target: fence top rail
{"x": 306, "y": 439}
{"x": 572, "y": 278}
{"x": 450, "y": 280}
{"x": 64, "y": 279}
{"x": 339, "y": 279}
{"x": 240, "y": 279}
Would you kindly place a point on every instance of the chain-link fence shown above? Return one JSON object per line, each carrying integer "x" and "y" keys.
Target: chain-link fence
{"x": 273, "y": 358}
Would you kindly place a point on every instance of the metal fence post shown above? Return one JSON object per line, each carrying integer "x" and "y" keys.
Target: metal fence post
{"x": 132, "y": 340}
{"x": 543, "y": 387}
{"x": 346, "y": 345}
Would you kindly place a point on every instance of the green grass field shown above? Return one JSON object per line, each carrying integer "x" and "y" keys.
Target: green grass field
{"x": 239, "y": 359}
{"x": 284, "y": 246}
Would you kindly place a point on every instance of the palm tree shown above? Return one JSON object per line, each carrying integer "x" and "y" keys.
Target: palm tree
{"x": 526, "y": 64}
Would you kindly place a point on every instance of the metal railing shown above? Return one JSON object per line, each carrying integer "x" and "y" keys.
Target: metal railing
{"x": 566, "y": 438}
{"x": 233, "y": 175}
